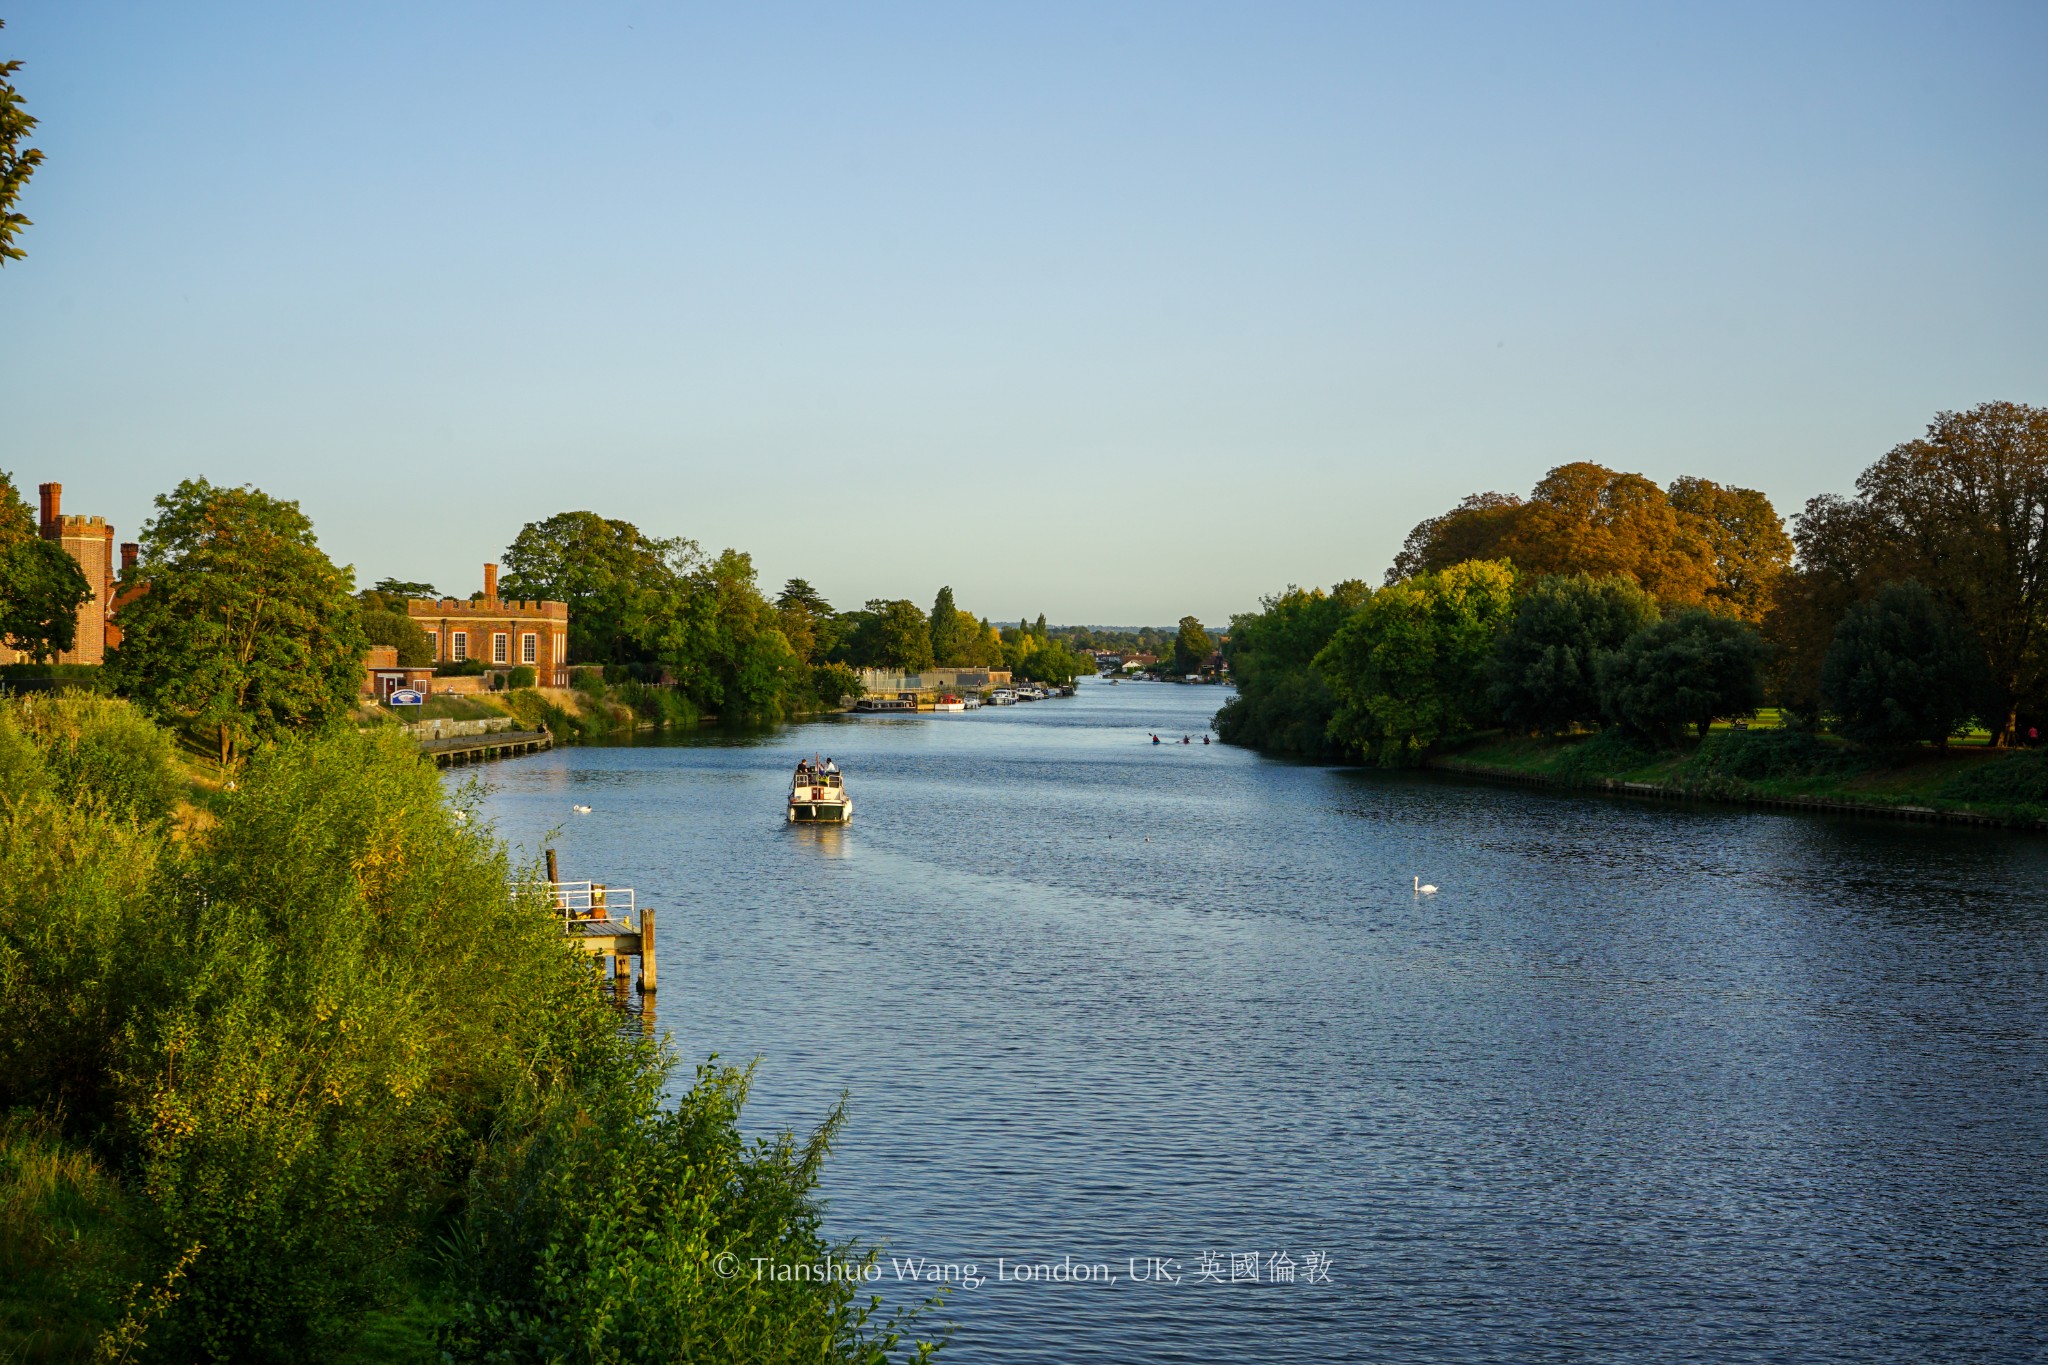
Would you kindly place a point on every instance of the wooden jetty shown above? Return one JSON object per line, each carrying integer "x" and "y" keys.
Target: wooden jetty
{"x": 477, "y": 748}
{"x": 606, "y": 922}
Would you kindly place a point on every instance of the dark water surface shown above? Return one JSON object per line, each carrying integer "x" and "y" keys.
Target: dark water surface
{"x": 1640, "y": 1083}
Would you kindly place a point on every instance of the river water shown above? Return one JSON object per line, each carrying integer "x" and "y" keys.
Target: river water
{"x": 1640, "y": 1082}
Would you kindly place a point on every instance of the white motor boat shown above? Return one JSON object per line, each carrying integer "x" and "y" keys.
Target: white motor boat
{"x": 817, "y": 794}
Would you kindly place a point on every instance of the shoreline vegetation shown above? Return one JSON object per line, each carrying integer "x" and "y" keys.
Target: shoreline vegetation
{"x": 1784, "y": 769}
{"x": 1888, "y": 655}
{"x": 302, "y": 1068}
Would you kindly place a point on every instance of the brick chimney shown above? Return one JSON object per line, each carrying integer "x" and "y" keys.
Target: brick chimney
{"x": 490, "y": 582}
{"x": 53, "y": 499}
{"x": 130, "y": 552}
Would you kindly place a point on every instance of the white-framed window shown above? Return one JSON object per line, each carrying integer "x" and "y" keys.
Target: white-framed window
{"x": 458, "y": 648}
{"x": 501, "y": 648}
{"x": 529, "y": 648}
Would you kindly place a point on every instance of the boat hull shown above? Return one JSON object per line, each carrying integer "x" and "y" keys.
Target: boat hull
{"x": 819, "y": 812}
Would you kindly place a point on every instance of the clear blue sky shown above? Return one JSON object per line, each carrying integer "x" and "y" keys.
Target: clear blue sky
{"x": 1114, "y": 312}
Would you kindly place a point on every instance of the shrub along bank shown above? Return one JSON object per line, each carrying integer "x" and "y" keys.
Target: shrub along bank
{"x": 303, "y": 1081}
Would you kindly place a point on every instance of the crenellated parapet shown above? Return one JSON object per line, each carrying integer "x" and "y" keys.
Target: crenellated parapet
{"x": 489, "y": 606}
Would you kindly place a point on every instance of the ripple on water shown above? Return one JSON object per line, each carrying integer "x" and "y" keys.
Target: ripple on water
{"x": 1641, "y": 1083}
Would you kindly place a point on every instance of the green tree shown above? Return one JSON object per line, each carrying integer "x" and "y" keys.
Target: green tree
{"x": 805, "y": 618}
{"x": 1283, "y": 703}
{"x": 246, "y": 629}
{"x": 17, "y": 162}
{"x": 406, "y": 590}
{"x": 1964, "y": 510}
{"x": 1191, "y": 646}
{"x": 949, "y": 643}
{"x": 1408, "y": 668}
{"x": 1684, "y": 670}
{"x": 902, "y": 638}
{"x": 1046, "y": 661}
{"x": 723, "y": 641}
{"x": 1542, "y": 673}
{"x": 619, "y": 583}
{"x": 382, "y": 626}
{"x": 832, "y": 684}
{"x": 1844, "y": 556}
{"x": 1903, "y": 668}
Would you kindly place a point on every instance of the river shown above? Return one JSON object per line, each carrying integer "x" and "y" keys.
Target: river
{"x": 1640, "y": 1082}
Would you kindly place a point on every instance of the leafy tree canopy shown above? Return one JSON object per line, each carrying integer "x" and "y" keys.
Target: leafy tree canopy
{"x": 406, "y": 589}
{"x": 891, "y": 634}
{"x": 1964, "y": 510}
{"x": 1746, "y": 538}
{"x": 385, "y": 627}
{"x": 1684, "y": 670}
{"x": 17, "y": 161}
{"x": 1283, "y": 703}
{"x": 1191, "y": 646}
{"x": 617, "y": 581}
{"x": 1542, "y": 672}
{"x": 245, "y": 629}
{"x": 1701, "y": 544}
{"x": 1903, "y": 668}
{"x": 950, "y": 643}
{"x": 1407, "y": 668}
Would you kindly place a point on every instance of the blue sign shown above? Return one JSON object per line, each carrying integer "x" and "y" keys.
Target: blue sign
{"x": 404, "y": 696}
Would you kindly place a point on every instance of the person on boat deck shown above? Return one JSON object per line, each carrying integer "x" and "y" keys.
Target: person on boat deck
{"x": 830, "y": 766}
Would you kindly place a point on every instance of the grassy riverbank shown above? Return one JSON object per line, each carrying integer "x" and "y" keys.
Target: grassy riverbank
{"x": 1765, "y": 766}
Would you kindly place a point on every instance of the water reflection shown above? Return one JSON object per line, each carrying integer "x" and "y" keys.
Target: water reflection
{"x": 823, "y": 840}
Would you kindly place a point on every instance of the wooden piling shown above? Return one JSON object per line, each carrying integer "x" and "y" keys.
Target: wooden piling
{"x": 553, "y": 875}
{"x": 647, "y": 950}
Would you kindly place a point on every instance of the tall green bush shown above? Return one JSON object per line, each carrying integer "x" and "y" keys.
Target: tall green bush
{"x": 1408, "y": 668}
{"x": 1541, "y": 676}
{"x": 1903, "y": 668}
{"x": 317, "y": 1036}
{"x": 1283, "y": 703}
{"x": 1683, "y": 671}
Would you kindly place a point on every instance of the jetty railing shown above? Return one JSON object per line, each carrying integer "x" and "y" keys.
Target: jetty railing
{"x": 606, "y": 922}
{"x": 587, "y": 900}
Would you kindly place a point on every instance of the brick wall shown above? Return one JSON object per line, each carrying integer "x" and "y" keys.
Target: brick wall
{"x": 502, "y": 632}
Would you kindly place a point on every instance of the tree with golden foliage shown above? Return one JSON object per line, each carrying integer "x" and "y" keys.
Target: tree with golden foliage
{"x": 1701, "y": 544}
{"x": 1747, "y": 539}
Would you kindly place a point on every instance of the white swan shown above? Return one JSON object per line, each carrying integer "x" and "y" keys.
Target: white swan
{"x": 1422, "y": 890}
{"x": 581, "y": 810}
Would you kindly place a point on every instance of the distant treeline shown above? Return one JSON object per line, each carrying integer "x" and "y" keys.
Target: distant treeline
{"x": 1909, "y": 612}
{"x": 237, "y": 628}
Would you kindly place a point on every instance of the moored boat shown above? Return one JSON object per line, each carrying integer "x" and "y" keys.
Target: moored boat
{"x": 949, "y": 702}
{"x": 817, "y": 793}
{"x": 885, "y": 706}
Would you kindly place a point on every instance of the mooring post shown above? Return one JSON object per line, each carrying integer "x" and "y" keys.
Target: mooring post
{"x": 647, "y": 950}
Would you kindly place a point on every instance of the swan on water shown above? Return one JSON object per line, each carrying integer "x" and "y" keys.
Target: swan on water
{"x": 1422, "y": 890}
{"x": 581, "y": 810}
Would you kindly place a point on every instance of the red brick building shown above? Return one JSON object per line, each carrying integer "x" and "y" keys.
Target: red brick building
{"x": 91, "y": 542}
{"x": 500, "y": 633}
